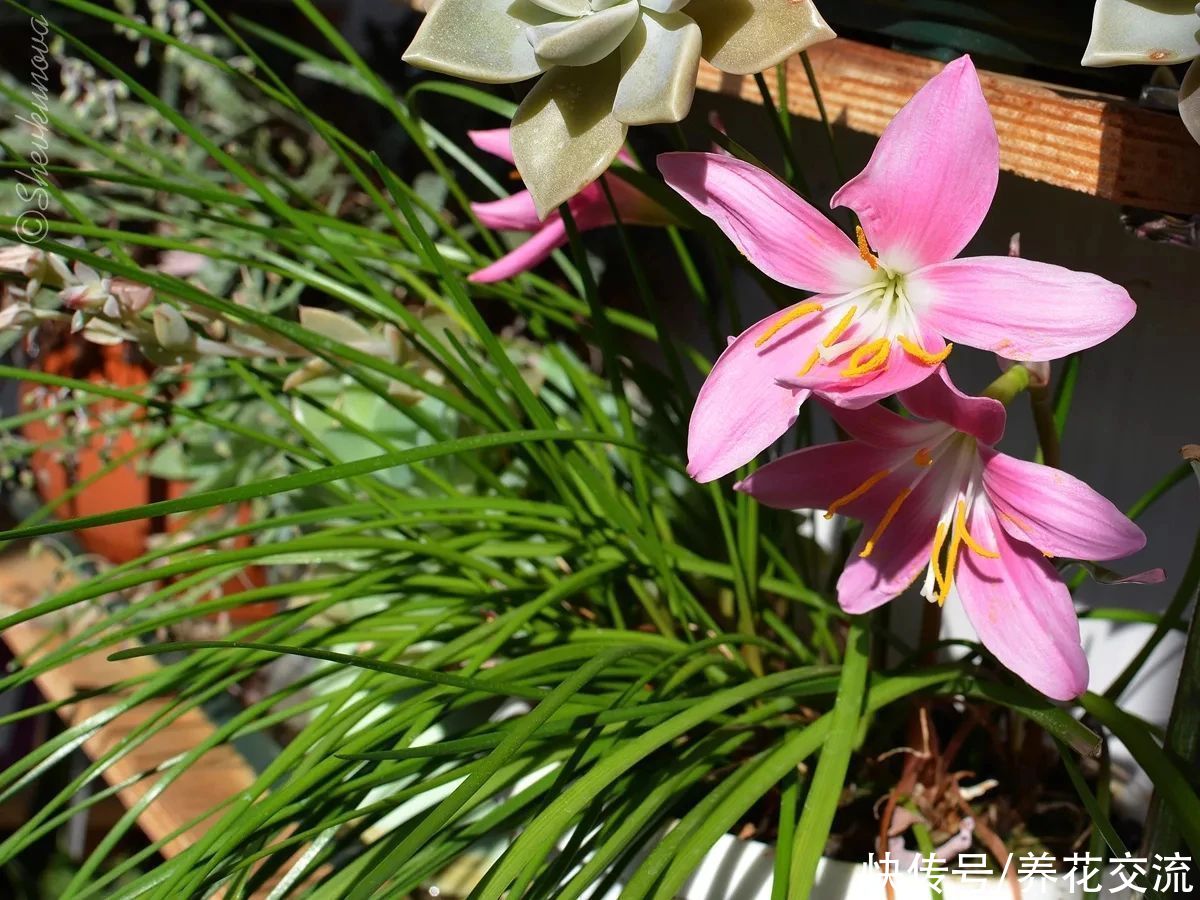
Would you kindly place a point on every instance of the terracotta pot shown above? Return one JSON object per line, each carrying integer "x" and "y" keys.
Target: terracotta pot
{"x": 56, "y": 471}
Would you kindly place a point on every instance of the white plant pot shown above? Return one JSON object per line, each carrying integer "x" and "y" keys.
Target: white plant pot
{"x": 743, "y": 870}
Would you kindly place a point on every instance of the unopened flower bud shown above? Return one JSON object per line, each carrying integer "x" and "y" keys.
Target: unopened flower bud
{"x": 1039, "y": 372}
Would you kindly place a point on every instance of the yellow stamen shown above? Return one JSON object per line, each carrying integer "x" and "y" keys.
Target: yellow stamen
{"x": 864, "y": 249}
{"x": 868, "y": 358}
{"x": 939, "y": 538}
{"x": 885, "y": 522}
{"x": 857, "y": 492}
{"x": 923, "y": 457}
{"x": 965, "y": 536}
{"x": 951, "y": 562}
{"x": 830, "y": 339}
{"x": 808, "y": 366}
{"x": 958, "y": 537}
{"x": 920, "y": 353}
{"x": 840, "y": 328}
{"x": 787, "y": 319}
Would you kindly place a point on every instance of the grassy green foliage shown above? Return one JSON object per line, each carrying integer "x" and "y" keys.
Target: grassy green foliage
{"x": 494, "y": 514}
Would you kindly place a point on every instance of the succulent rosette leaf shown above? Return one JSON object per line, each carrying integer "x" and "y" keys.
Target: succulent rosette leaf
{"x": 605, "y": 65}
{"x": 1151, "y": 32}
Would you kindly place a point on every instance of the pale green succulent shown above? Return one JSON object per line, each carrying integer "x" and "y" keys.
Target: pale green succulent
{"x": 1151, "y": 32}
{"x": 608, "y": 64}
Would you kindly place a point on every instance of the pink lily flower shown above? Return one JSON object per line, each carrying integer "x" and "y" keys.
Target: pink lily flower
{"x": 886, "y": 305}
{"x": 589, "y": 207}
{"x": 935, "y": 496}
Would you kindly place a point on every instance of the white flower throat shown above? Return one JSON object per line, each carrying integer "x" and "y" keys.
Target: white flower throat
{"x": 952, "y": 457}
{"x": 881, "y": 316}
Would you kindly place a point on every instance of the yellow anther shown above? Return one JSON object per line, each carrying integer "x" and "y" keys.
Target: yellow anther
{"x": 808, "y": 366}
{"x": 923, "y": 457}
{"x": 868, "y": 358}
{"x": 885, "y": 522}
{"x": 864, "y": 249}
{"x": 787, "y": 319}
{"x": 840, "y": 328}
{"x": 830, "y": 339}
{"x": 951, "y": 561}
{"x": 916, "y": 351}
{"x": 958, "y": 536}
{"x": 960, "y": 525}
{"x": 935, "y": 558}
{"x": 857, "y": 492}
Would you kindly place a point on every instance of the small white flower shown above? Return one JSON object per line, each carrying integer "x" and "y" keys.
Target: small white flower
{"x": 90, "y": 291}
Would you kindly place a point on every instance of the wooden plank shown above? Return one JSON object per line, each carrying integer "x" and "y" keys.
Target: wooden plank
{"x": 219, "y": 774}
{"x": 1100, "y": 145}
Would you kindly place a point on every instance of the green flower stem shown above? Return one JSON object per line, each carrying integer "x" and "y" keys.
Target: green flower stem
{"x": 1099, "y": 844}
{"x": 1049, "y": 443}
{"x": 931, "y": 632}
{"x": 1008, "y": 385}
{"x": 1152, "y": 496}
{"x": 792, "y": 169}
{"x": 825, "y": 120}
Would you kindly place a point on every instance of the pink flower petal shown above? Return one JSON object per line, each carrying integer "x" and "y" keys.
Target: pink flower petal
{"x": 532, "y": 253}
{"x": 513, "y": 213}
{"x": 1021, "y": 610}
{"x": 1019, "y": 308}
{"x": 634, "y": 206}
{"x": 933, "y": 174}
{"x": 815, "y": 477}
{"x": 938, "y": 399}
{"x": 777, "y": 231}
{"x": 901, "y": 552}
{"x": 1056, "y": 512}
{"x": 742, "y": 408}
{"x": 880, "y": 427}
{"x": 494, "y": 141}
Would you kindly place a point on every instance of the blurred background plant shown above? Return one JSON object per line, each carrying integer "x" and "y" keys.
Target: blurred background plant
{"x": 433, "y": 537}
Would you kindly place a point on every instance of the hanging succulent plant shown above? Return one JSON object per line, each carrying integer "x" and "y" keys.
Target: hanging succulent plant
{"x": 1151, "y": 32}
{"x": 607, "y": 64}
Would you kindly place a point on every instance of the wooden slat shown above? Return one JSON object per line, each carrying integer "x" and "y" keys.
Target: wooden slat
{"x": 1092, "y": 143}
{"x": 219, "y": 774}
